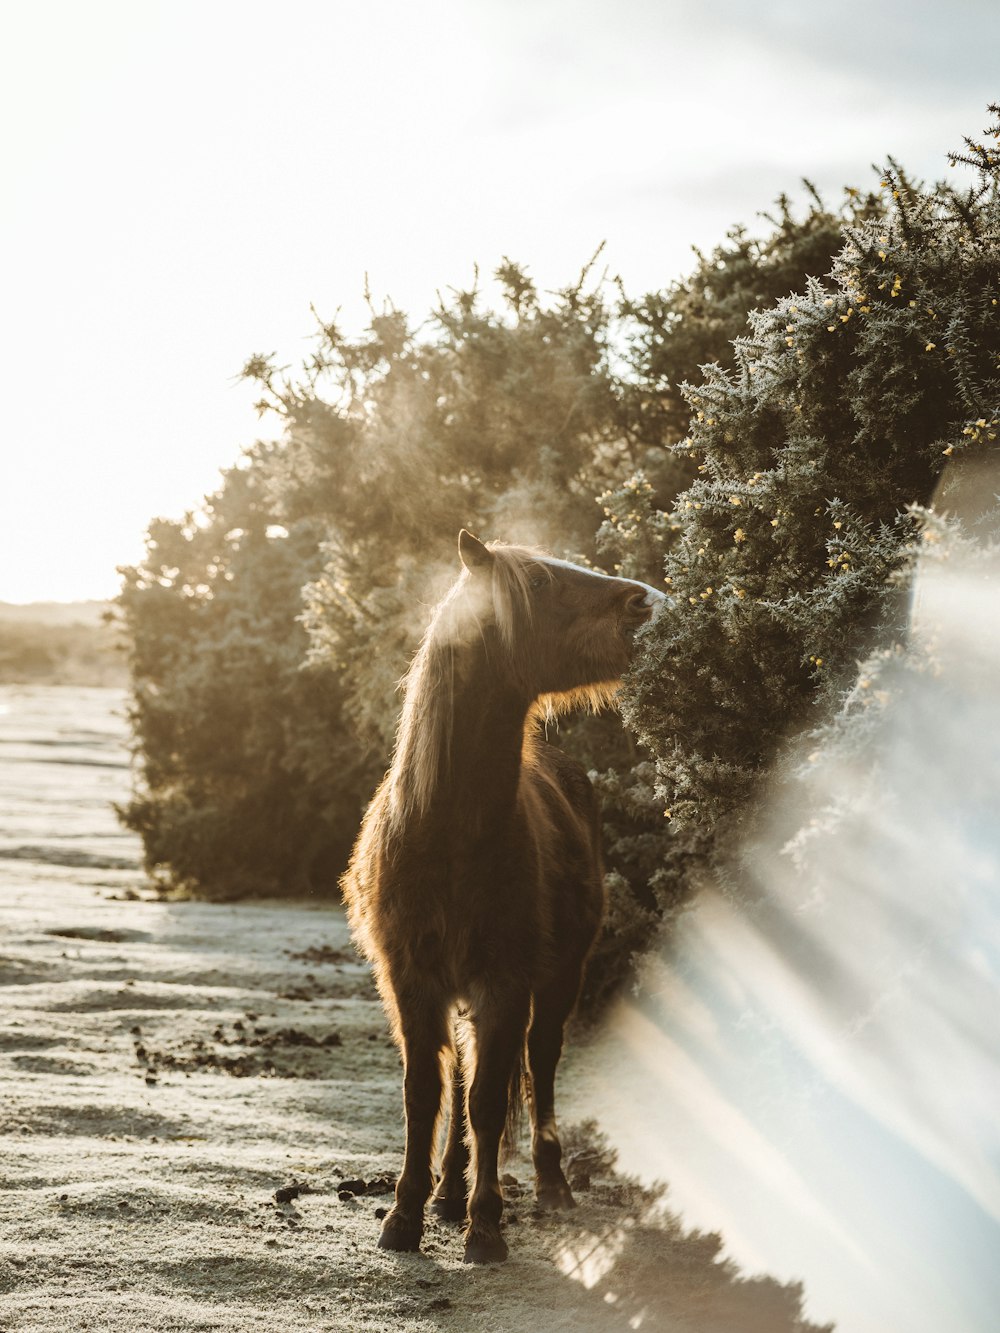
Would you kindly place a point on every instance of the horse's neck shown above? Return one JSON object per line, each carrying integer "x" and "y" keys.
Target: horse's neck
{"x": 462, "y": 750}
{"x": 486, "y": 743}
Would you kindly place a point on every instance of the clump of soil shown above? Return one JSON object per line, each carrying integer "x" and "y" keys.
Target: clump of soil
{"x": 260, "y": 1052}
{"x": 322, "y": 953}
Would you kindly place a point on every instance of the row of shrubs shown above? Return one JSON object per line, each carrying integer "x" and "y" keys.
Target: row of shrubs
{"x": 754, "y": 434}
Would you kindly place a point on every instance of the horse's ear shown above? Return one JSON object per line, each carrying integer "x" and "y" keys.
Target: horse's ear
{"x": 474, "y": 555}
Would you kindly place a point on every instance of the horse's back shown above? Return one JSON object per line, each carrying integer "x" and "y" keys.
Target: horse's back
{"x": 432, "y": 895}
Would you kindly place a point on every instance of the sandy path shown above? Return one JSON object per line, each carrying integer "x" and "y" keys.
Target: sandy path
{"x": 137, "y": 1201}
{"x": 167, "y": 1066}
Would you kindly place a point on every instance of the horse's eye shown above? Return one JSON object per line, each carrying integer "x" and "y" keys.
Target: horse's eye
{"x": 538, "y": 582}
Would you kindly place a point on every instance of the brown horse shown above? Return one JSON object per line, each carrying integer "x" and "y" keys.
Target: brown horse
{"x": 475, "y": 886}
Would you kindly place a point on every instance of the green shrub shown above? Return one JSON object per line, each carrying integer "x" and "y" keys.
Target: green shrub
{"x": 841, "y": 408}
{"x": 269, "y": 629}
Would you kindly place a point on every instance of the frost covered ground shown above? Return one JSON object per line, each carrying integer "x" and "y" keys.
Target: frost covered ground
{"x": 166, "y": 1067}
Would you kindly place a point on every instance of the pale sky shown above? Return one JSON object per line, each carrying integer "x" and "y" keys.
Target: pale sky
{"x": 180, "y": 181}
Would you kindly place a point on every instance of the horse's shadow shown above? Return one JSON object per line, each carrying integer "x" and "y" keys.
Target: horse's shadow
{"x": 618, "y": 1262}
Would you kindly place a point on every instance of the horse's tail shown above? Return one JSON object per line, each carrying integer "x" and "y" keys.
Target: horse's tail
{"x": 517, "y": 1096}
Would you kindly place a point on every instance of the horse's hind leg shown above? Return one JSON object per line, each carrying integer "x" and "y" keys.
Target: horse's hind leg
{"x": 423, "y": 1038}
{"x": 499, "y": 1042}
{"x": 553, "y": 1005}
{"x": 451, "y": 1196}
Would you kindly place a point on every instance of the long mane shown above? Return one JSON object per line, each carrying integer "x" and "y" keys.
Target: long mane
{"x": 458, "y": 625}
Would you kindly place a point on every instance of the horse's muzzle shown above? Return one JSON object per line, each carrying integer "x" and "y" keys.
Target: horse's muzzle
{"x": 656, "y": 601}
{"x": 645, "y": 604}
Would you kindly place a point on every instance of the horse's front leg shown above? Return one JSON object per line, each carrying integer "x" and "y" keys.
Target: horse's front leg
{"x": 500, "y": 1030}
{"x": 423, "y": 1037}
{"x": 553, "y": 1006}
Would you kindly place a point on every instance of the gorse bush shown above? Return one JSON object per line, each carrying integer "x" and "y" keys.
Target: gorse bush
{"x": 770, "y": 490}
{"x": 842, "y": 407}
{"x": 234, "y": 797}
{"x": 693, "y": 322}
{"x": 269, "y": 630}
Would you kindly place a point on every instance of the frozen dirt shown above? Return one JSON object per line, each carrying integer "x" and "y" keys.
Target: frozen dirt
{"x": 168, "y": 1066}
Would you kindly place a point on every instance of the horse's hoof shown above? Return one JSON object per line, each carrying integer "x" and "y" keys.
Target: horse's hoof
{"x": 485, "y": 1248}
{"x": 400, "y": 1233}
{"x": 556, "y": 1194}
{"x": 450, "y": 1208}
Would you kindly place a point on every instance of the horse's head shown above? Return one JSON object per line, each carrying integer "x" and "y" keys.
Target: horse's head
{"x": 562, "y": 627}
